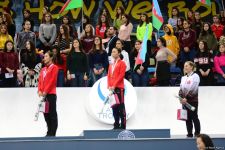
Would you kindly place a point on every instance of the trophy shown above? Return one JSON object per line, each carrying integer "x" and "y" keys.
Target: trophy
{"x": 189, "y": 106}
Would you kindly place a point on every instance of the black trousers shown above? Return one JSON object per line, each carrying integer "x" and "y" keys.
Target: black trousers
{"x": 51, "y": 117}
{"x": 193, "y": 119}
{"x": 119, "y": 111}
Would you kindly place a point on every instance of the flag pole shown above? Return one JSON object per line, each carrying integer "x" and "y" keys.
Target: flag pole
{"x": 82, "y": 15}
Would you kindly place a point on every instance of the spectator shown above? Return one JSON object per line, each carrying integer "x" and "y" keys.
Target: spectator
{"x": 217, "y": 28}
{"x": 204, "y": 64}
{"x": 80, "y": 30}
{"x": 208, "y": 36}
{"x": 197, "y": 26}
{"x": 30, "y": 65}
{"x": 45, "y": 10}
{"x": 102, "y": 25}
{"x": 140, "y": 76}
{"x": 4, "y": 36}
{"x": 77, "y": 66}
{"x": 187, "y": 40}
{"x": 1, "y": 69}
{"x": 60, "y": 61}
{"x": 27, "y": 16}
{"x": 119, "y": 45}
{"x": 10, "y": 65}
{"x": 64, "y": 41}
{"x": 87, "y": 39}
{"x": 112, "y": 42}
{"x": 1, "y": 19}
{"x": 25, "y": 35}
{"x": 222, "y": 17}
{"x": 162, "y": 66}
{"x": 171, "y": 42}
{"x": 7, "y": 18}
{"x": 204, "y": 142}
{"x": 105, "y": 12}
{"x": 47, "y": 32}
{"x": 72, "y": 31}
{"x": 219, "y": 62}
{"x": 107, "y": 38}
{"x": 118, "y": 19}
{"x": 141, "y": 29}
{"x": 125, "y": 32}
{"x": 191, "y": 17}
{"x": 98, "y": 60}
{"x": 179, "y": 27}
{"x": 173, "y": 21}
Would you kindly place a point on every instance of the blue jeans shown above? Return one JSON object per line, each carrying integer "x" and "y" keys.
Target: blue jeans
{"x": 60, "y": 79}
{"x": 140, "y": 80}
{"x": 187, "y": 56}
{"x": 96, "y": 77}
{"x": 78, "y": 81}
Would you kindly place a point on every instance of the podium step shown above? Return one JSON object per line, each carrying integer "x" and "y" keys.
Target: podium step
{"x": 138, "y": 133}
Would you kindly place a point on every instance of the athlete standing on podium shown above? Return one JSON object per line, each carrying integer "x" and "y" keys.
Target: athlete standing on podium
{"x": 47, "y": 88}
{"x": 115, "y": 77}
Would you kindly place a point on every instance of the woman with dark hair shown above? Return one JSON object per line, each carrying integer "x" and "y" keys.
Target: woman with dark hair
{"x": 72, "y": 31}
{"x": 27, "y": 16}
{"x": 45, "y": 10}
{"x": 204, "y": 64}
{"x": 141, "y": 29}
{"x": 98, "y": 60}
{"x": 190, "y": 17}
{"x": 120, "y": 45}
{"x": 64, "y": 41}
{"x": 162, "y": 65}
{"x": 30, "y": 65}
{"x": 47, "y": 89}
{"x": 219, "y": 62}
{"x": 173, "y": 20}
{"x": 60, "y": 61}
{"x": 189, "y": 93}
{"x": 10, "y": 65}
{"x": 208, "y": 36}
{"x": 80, "y": 29}
{"x": 125, "y": 32}
{"x": 197, "y": 26}
{"x": 115, "y": 78}
{"x": 140, "y": 75}
{"x": 47, "y": 32}
{"x": 105, "y": 12}
{"x": 87, "y": 39}
{"x": 179, "y": 27}
{"x": 7, "y": 18}
{"x": 77, "y": 66}
{"x": 117, "y": 22}
{"x": 103, "y": 24}
{"x": 204, "y": 142}
{"x": 25, "y": 35}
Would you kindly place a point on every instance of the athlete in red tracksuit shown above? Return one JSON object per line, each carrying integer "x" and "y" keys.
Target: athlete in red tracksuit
{"x": 47, "y": 88}
{"x": 116, "y": 75}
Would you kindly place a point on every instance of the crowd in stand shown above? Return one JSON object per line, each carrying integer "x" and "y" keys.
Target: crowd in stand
{"x": 83, "y": 54}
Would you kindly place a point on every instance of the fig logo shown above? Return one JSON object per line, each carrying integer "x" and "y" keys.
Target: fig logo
{"x": 95, "y": 103}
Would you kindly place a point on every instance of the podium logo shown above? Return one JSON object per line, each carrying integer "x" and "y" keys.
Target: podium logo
{"x": 97, "y": 96}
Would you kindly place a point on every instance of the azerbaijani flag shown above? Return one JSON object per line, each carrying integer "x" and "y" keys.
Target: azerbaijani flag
{"x": 207, "y": 2}
{"x": 70, "y": 4}
{"x": 157, "y": 19}
{"x": 142, "y": 52}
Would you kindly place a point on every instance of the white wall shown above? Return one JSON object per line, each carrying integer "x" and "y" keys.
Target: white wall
{"x": 156, "y": 109}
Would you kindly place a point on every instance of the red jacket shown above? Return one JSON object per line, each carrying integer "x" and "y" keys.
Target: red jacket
{"x": 48, "y": 79}
{"x": 218, "y": 30}
{"x": 116, "y": 79}
{"x": 101, "y": 31}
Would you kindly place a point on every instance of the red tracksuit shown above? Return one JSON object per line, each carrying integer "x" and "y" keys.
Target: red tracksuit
{"x": 47, "y": 84}
{"x": 116, "y": 75}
